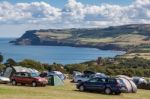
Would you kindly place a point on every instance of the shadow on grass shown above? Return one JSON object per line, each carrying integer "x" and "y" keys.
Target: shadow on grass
{"x": 94, "y": 92}
{"x": 22, "y": 85}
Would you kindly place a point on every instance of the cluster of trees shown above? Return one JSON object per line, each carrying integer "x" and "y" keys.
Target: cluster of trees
{"x": 31, "y": 64}
{"x": 110, "y": 66}
{"x": 116, "y": 66}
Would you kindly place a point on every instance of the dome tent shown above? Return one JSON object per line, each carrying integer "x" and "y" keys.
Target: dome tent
{"x": 128, "y": 83}
{"x": 54, "y": 80}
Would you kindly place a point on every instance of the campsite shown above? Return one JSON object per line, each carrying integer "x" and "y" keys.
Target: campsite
{"x": 68, "y": 91}
{"x": 74, "y": 49}
{"x": 58, "y": 88}
{"x": 32, "y": 80}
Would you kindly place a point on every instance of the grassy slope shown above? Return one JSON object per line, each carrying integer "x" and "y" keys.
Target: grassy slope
{"x": 64, "y": 92}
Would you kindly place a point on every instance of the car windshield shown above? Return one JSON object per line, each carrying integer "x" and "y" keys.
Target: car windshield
{"x": 34, "y": 75}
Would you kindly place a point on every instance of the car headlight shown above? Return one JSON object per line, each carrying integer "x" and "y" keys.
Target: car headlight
{"x": 40, "y": 80}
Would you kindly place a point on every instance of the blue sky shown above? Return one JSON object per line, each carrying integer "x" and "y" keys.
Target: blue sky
{"x": 17, "y": 16}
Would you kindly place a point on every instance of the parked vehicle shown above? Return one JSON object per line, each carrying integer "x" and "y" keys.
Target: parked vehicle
{"x": 82, "y": 78}
{"x": 4, "y": 80}
{"x": 28, "y": 78}
{"x": 139, "y": 80}
{"x": 106, "y": 85}
{"x": 89, "y": 73}
{"x": 75, "y": 73}
{"x": 100, "y": 75}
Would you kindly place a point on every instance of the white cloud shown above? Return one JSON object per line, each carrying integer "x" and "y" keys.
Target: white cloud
{"x": 74, "y": 14}
{"x": 28, "y": 12}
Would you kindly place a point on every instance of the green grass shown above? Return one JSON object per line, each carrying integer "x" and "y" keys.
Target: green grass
{"x": 61, "y": 92}
{"x": 130, "y": 39}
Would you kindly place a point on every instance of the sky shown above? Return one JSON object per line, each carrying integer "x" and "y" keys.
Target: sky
{"x": 17, "y": 16}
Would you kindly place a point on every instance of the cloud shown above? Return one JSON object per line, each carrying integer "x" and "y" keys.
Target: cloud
{"x": 28, "y": 12}
{"x": 75, "y": 14}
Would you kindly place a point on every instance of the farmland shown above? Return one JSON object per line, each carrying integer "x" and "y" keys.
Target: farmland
{"x": 68, "y": 91}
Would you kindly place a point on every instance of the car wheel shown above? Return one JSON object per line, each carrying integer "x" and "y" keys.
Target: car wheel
{"x": 14, "y": 82}
{"x": 81, "y": 88}
{"x": 108, "y": 91}
{"x": 34, "y": 84}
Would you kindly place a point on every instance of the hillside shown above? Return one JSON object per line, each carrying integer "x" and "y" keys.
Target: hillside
{"x": 125, "y": 37}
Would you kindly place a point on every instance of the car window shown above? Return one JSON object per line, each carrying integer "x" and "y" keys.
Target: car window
{"x": 101, "y": 80}
{"x": 26, "y": 75}
{"x": 120, "y": 81}
{"x": 34, "y": 75}
{"x": 93, "y": 80}
{"x": 112, "y": 80}
{"x": 18, "y": 74}
{"x": 22, "y": 74}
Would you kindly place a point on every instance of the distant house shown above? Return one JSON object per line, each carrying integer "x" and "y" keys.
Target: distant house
{"x": 100, "y": 61}
{"x": 9, "y": 71}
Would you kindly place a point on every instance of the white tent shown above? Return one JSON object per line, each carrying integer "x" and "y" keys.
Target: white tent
{"x": 9, "y": 71}
{"x": 128, "y": 83}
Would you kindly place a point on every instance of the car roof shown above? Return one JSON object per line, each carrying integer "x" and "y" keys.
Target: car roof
{"x": 100, "y": 77}
{"x": 21, "y": 72}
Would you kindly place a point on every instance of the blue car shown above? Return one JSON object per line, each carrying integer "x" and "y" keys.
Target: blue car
{"x": 106, "y": 85}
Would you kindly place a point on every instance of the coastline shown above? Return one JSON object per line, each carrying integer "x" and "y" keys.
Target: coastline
{"x": 100, "y": 46}
{"x": 50, "y": 54}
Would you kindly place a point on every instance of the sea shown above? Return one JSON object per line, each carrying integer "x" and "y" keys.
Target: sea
{"x": 50, "y": 54}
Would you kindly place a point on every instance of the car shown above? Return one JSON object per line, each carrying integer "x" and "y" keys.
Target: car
{"x": 75, "y": 73}
{"x": 28, "y": 78}
{"x": 4, "y": 80}
{"x": 139, "y": 80}
{"x": 81, "y": 78}
{"x": 106, "y": 85}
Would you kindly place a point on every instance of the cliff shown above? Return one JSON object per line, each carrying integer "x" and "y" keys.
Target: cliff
{"x": 123, "y": 37}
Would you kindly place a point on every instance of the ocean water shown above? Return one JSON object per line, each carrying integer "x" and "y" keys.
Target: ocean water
{"x": 50, "y": 54}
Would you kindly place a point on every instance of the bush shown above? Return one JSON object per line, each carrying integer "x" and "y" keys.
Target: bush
{"x": 32, "y": 64}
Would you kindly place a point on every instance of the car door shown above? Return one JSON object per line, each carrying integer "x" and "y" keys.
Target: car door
{"x": 18, "y": 77}
{"x": 23, "y": 78}
{"x": 100, "y": 85}
{"x": 27, "y": 78}
{"x": 91, "y": 84}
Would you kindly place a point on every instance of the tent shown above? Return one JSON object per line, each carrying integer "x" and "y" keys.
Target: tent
{"x": 9, "y": 71}
{"x": 58, "y": 73}
{"x": 54, "y": 80}
{"x": 128, "y": 83}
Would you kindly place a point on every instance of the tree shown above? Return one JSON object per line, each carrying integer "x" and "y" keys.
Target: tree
{"x": 1, "y": 58}
{"x": 10, "y": 62}
{"x": 32, "y": 64}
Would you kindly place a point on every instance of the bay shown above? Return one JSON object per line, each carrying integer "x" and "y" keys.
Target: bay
{"x": 51, "y": 54}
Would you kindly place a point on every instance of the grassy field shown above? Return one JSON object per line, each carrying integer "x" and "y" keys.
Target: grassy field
{"x": 132, "y": 55}
{"x": 61, "y": 92}
{"x": 122, "y": 40}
